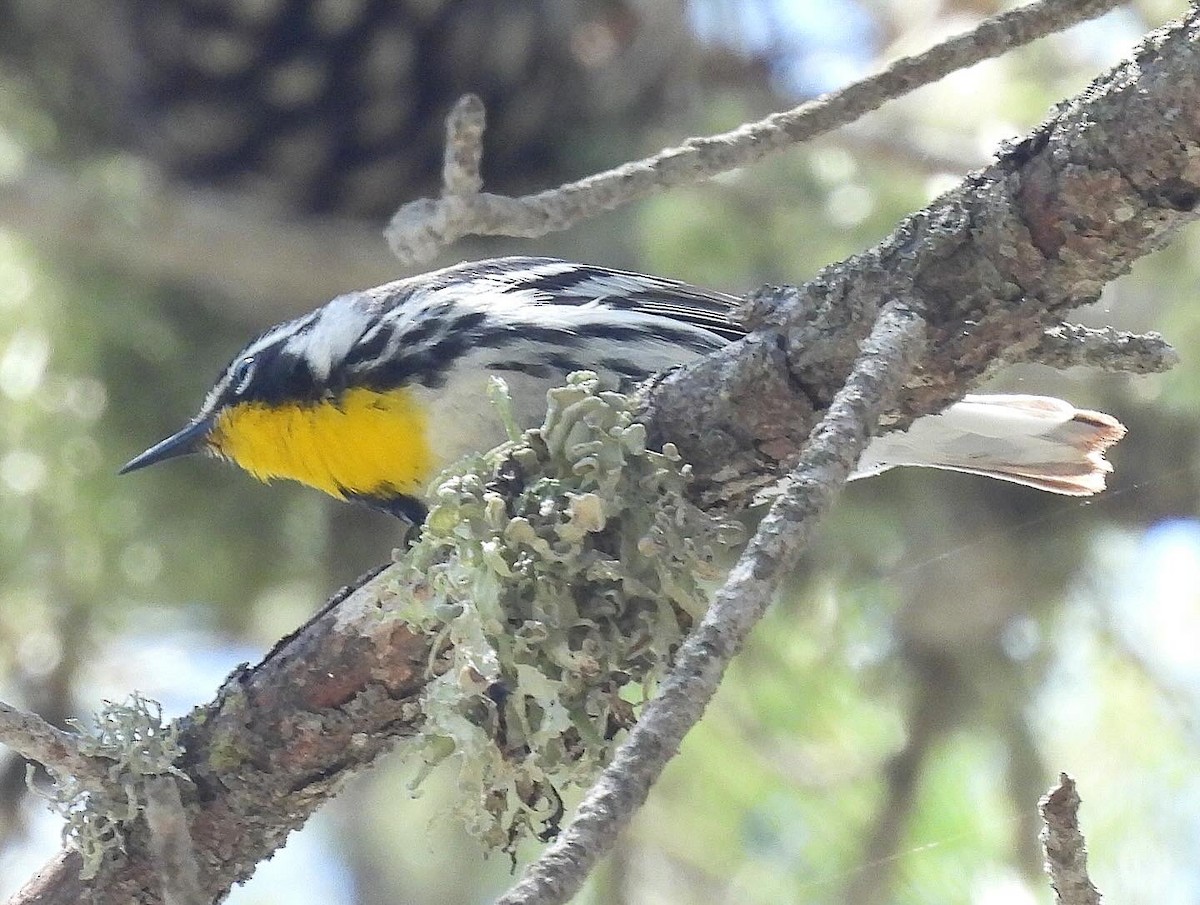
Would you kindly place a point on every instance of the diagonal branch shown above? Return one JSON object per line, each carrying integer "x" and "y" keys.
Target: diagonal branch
{"x": 992, "y": 264}
{"x": 420, "y": 229}
{"x": 827, "y": 461}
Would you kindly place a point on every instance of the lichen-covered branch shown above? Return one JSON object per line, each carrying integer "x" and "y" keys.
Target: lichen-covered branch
{"x": 422, "y": 228}
{"x": 827, "y": 461}
{"x": 1064, "y": 846}
{"x": 276, "y": 742}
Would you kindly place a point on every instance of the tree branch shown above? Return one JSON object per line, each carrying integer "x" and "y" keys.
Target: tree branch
{"x": 993, "y": 263}
{"x": 1103, "y": 348}
{"x": 278, "y": 740}
{"x": 56, "y": 750}
{"x": 420, "y": 229}
{"x": 1064, "y": 846}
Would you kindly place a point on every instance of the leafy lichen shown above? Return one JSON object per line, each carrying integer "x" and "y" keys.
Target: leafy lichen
{"x": 558, "y": 603}
{"x": 133, "y": 737}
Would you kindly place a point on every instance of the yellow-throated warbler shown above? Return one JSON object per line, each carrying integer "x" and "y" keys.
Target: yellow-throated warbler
{"x": 368, "y": 397}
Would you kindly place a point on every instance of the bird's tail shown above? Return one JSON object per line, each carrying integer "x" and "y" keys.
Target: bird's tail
{"x": 1038, "y": 441}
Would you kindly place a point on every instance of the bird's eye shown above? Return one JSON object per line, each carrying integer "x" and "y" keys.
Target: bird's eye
{"x": 239, "y": 376}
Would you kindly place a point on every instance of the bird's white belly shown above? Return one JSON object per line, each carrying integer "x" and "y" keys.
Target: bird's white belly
{"x": 464, "y": 419}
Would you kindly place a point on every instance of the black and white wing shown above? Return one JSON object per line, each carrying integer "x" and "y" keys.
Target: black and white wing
{"x": 548, "y": 281}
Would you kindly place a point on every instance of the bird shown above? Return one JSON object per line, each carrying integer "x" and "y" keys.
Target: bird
{"x": 368, "y": 397}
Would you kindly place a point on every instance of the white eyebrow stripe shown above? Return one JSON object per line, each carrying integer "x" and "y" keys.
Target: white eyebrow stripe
{"x": 335, "y": 330}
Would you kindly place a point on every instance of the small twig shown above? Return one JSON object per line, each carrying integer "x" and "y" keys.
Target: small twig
{"x": 422, "y": 228}
{"x": 464, "y": 147}
{"x": 1064, "y": 846}
{"x": 32, "y": 737}
{"x": 1104, "y": 348}
{"x": 171, "y": 841}
{"x": 829, "y": 457}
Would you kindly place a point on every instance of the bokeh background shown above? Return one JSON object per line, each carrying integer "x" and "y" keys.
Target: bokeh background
{"x": 177, "y": 175}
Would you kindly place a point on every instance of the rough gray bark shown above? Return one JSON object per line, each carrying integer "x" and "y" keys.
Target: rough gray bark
{"x": 993, "y": 264}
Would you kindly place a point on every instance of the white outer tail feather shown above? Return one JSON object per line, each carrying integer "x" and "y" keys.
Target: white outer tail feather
{"x": 1037, "y": 441}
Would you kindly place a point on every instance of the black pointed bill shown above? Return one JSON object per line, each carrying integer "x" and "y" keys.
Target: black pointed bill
{"x": 182, "y": 443}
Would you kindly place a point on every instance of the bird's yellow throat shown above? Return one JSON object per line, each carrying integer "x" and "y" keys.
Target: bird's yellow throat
{"x": 364, "y": 443}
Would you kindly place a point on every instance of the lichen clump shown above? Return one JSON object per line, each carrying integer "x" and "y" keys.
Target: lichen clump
{"x": 132, "y": 736}
{"x": 560, "y": 573}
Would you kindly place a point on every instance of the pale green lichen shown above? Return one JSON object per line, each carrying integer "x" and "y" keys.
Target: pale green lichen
{"x": 555, "y": 612}
{"x": 133, "y": 737}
